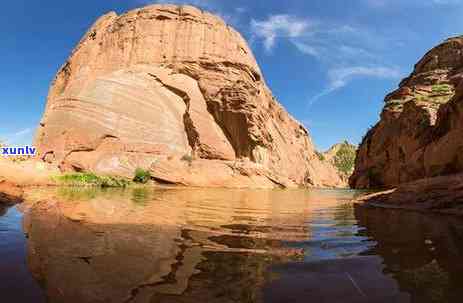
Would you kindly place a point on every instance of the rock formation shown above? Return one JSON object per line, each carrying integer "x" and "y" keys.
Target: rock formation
{"x": 442, "y": 195}
{"x": 10, "y": 193}
{"x": 420, "y": 134}
{"x": 342, "y": 157}
{"x": 176, "y": 90}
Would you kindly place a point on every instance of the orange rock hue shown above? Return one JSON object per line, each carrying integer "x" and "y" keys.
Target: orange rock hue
{"x": 420, "y": 134}
{"x": 175, "y": 90}
{"x": 440, "y": 194}
{"x": 10, "y": 193}
{"x": 138, "y": 245}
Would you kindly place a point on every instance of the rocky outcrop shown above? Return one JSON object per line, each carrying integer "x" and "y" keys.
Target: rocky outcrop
{"x": 27, "y": 173}
{"x": 420, "y": 134}
{"x": 10, "y": 193}
{"x": 176, "y": 90}
{"x": 440, "y": 195}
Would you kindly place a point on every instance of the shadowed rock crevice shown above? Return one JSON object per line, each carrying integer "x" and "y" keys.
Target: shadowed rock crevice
{"x": 192, "y": 133}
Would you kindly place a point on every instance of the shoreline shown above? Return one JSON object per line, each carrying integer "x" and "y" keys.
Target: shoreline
{"x": 438, "y": 195}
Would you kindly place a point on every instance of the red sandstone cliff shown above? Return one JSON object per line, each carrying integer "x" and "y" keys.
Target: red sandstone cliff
{"x": 175, "y": 90}
{"x": 420, "y": 134}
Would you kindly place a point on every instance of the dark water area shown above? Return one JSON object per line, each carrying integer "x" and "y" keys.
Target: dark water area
{"x": 16, "y": 283}
{"x": 196, "y": 245}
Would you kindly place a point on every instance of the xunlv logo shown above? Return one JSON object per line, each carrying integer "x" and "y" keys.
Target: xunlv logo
{"x": 18, "y": 151}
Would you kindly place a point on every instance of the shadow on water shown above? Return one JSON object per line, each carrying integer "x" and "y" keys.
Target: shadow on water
{"x": 403, "y": 257}
{"x": 187, "y": 245}
{"x": 3, "y": 210}
{"x": 16, "y": 283}
{"x": 421, "y": 252}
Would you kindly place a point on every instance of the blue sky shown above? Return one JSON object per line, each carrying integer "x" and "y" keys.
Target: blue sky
{"x": 330, "y": 63}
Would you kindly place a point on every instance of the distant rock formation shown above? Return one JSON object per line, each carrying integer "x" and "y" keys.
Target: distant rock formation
{"x": 420, "y": 134}
{"x": 175, "y": 90}
{"x": 342, "y": 157}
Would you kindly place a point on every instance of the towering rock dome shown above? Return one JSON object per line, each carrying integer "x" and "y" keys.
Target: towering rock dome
{"x": 420, "y": 134}
{"x": 175, "y": 90}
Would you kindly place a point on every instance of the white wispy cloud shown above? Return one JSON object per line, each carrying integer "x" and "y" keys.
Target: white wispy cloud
{"x": 344, "y": 51}
{"x": 279, "y": 26}
{"x": 340, "y": 77}
{"x": 17, "y": 137}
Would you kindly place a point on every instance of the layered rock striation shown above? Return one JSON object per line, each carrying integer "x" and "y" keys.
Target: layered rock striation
{"x": 420, "y": 134}
{"x": 175, "y": 90}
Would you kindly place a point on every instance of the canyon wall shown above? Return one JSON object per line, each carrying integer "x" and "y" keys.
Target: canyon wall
{"x": 175, "y": 90}
{"x": 420, "y": 133}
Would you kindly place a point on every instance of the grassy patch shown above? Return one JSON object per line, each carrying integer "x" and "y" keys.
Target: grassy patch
{"x": 441, "y": 89}
{"x": 421, "y": 98}
{"x": 142, "y": 176}
{"x": 90, "y": 179}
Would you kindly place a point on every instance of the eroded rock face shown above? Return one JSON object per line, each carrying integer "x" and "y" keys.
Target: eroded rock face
{"x": 420, "y": 133}
{"x": 176, "y": 90}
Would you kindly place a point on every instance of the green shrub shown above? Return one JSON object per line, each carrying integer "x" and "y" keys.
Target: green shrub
{"x": 90, "y": 179}
{"x": 320, "y": 156}
{"x": 345, "y": 158}
{"x": 142, "y": 176}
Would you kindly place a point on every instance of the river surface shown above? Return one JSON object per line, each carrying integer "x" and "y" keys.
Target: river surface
{"x": 196, "y": 245}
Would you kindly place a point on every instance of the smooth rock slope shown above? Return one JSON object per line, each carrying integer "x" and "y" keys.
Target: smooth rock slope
{"x": 175, "y": 90}
{"x": 420, "y": 134}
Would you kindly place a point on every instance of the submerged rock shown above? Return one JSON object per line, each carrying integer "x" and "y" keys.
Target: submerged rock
{"x": 175, "y": 90}
{"x": 420, "y": 134}
{"x": 10, "y": 193}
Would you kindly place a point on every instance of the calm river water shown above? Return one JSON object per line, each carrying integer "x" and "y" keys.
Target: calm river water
{"x": 196, "y": 245}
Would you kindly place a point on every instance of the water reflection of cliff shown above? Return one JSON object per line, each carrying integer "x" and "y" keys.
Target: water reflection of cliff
{"x": 421, "y": 252}
{"x": 3, "y": 209}
{"x": 161, "y": 246}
